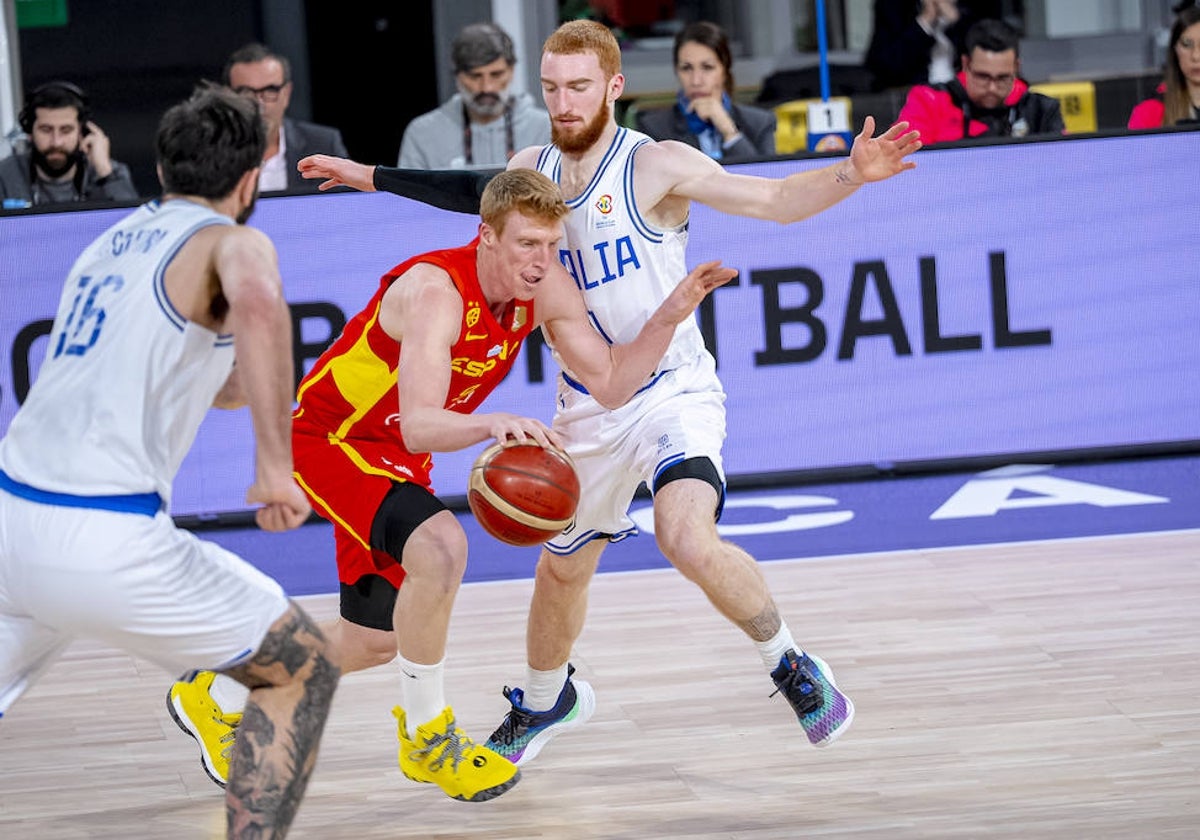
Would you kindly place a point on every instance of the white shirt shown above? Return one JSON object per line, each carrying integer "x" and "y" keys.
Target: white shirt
{"x": 273, "y": 176}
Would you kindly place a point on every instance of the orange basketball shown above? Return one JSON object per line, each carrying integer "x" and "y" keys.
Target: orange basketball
{"x": 522, "y": 493}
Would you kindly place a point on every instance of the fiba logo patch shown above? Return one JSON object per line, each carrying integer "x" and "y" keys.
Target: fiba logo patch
{"x": 663, "y": 443}
{"x": 604, "y": 204}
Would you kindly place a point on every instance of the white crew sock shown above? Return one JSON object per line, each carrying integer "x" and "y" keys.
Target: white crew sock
{"x": 422, "y": 692}
{"x": 775, "y": 647}
{"x": 229, "y": 694}
{"x": 543, "y": 687}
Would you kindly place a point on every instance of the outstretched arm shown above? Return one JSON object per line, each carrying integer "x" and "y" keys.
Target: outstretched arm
{"x": 457, "y": 190}
{"x": 613, "y": 373}
{"x": 669, "y": 171}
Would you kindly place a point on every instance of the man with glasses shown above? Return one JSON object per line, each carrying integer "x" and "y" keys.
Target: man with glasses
{"x": 987, "y": 98}
{"x": 256, "y": 72}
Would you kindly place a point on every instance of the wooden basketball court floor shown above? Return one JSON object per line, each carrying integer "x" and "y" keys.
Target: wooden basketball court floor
{"x": 1029, "y": 690}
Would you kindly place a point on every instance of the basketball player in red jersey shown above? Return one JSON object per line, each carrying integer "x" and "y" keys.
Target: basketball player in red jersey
{"x": 402, "y": 381}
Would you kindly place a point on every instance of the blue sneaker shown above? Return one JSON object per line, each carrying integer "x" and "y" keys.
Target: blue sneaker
{"x": 523, "y": 732}
{"x": 808, "y": 685}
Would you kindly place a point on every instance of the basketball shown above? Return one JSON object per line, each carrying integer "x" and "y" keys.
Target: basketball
{"x": 523, "y": 494}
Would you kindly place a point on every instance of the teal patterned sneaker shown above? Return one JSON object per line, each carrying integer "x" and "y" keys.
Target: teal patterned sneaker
{"x": 523, "y": 732}
{"x": 808, "y": 685}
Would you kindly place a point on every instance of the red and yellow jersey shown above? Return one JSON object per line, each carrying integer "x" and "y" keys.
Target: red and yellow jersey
{"x": 350, "y": 396}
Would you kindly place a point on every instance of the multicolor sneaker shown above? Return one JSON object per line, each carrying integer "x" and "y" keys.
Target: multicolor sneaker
{"x": 442, "y": 753}
{"x": 523, "y": 733}
{"x": 196, "y": 713}
{"x": 808, "y": 684}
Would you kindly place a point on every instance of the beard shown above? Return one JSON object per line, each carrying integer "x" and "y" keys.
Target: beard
{"x": 248, "y": 210}
{"x": 56, "y": 170}
{"x": 585, "y": 137}
{"x": 486, "y": 105}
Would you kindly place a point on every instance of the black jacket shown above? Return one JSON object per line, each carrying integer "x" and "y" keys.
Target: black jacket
{"x": 304, "y": 139}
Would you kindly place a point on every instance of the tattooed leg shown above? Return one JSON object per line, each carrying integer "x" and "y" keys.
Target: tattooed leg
{"x": 292, "y": 678}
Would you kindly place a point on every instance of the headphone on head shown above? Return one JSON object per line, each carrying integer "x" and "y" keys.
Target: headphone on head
{"x": 43, "y": 95}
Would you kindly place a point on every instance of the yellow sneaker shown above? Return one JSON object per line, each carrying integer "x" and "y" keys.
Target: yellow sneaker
{"x": 197, "y": 714}
{"x": 442, "y": 753}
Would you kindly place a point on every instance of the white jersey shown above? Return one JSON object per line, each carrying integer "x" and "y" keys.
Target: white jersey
{"x": 624, "y": 266}
{"x": 127, "y": 379}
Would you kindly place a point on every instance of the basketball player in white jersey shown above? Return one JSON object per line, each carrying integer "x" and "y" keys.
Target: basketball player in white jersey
{"x": 624, "y": 244}
{"x": 152, "y": 318}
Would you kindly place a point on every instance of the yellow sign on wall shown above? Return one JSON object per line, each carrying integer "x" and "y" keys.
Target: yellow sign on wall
{"x": 791, "y": 122}
{"x": 1078, "y": 101}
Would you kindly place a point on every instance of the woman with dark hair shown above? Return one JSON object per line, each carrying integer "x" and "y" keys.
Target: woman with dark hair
{"x": 705, "y": 115}
{"x": 1178, "y": 97}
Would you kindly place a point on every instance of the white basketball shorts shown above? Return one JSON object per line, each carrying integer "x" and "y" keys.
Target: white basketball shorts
{"x": 681, "y": 415}
{"x": 136, "y": 582}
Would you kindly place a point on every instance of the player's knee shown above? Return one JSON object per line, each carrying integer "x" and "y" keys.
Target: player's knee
{"x": 568, "y": 571}
{"x": 437, "y": 554}
{"x": 694, "y": 550}
{"x": 686, "y": 538}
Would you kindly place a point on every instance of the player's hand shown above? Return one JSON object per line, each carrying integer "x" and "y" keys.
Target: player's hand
{"x": 284, "y": 507}
{"x": 875, "y": 158}
{"x": 98, "y": 149}
{"x": 337, "y": 172}
{"x": 712, "y": 110}
{"x": 701, "y": 280}
{"x": 512, "y": 429}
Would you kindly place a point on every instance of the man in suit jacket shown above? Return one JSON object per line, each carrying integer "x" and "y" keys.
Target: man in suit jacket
{"x": 256, "y": 72}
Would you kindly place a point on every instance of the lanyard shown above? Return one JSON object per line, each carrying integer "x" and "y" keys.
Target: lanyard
{"x": 509, "y": 144}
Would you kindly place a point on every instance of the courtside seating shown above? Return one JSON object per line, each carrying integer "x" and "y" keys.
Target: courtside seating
{"x": 1078, "y": 100}
{"x": 791, "y": 123}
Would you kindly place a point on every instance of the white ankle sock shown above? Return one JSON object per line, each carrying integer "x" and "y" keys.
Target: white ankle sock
{"x": 775, "y": 647}
{"x": 422, "y": 692}
{"x": 228, "y": 693}
{"x": 543, "y": 687}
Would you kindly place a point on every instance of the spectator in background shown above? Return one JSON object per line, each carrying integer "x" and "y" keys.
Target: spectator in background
{"x": 1177, "y": 99}
{"x": 704, "y": 114}
{"x": 481, "y": 125}
{"x": 987, "y": 98}
{"x": 256, "y": 72}
{"x": 916, "y": 42}
{"x": 68, "y": 158}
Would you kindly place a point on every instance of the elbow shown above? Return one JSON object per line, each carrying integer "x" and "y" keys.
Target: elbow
{"x": 417, "y": 436}
{"x": 414, "y": 440}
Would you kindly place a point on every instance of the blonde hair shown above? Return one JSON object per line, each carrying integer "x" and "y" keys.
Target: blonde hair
{"x": 525, "y": 190}
{"x": 586, "y": 36}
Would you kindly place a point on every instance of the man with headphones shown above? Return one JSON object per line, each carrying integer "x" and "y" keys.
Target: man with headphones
{"x": 68, "y": 158}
